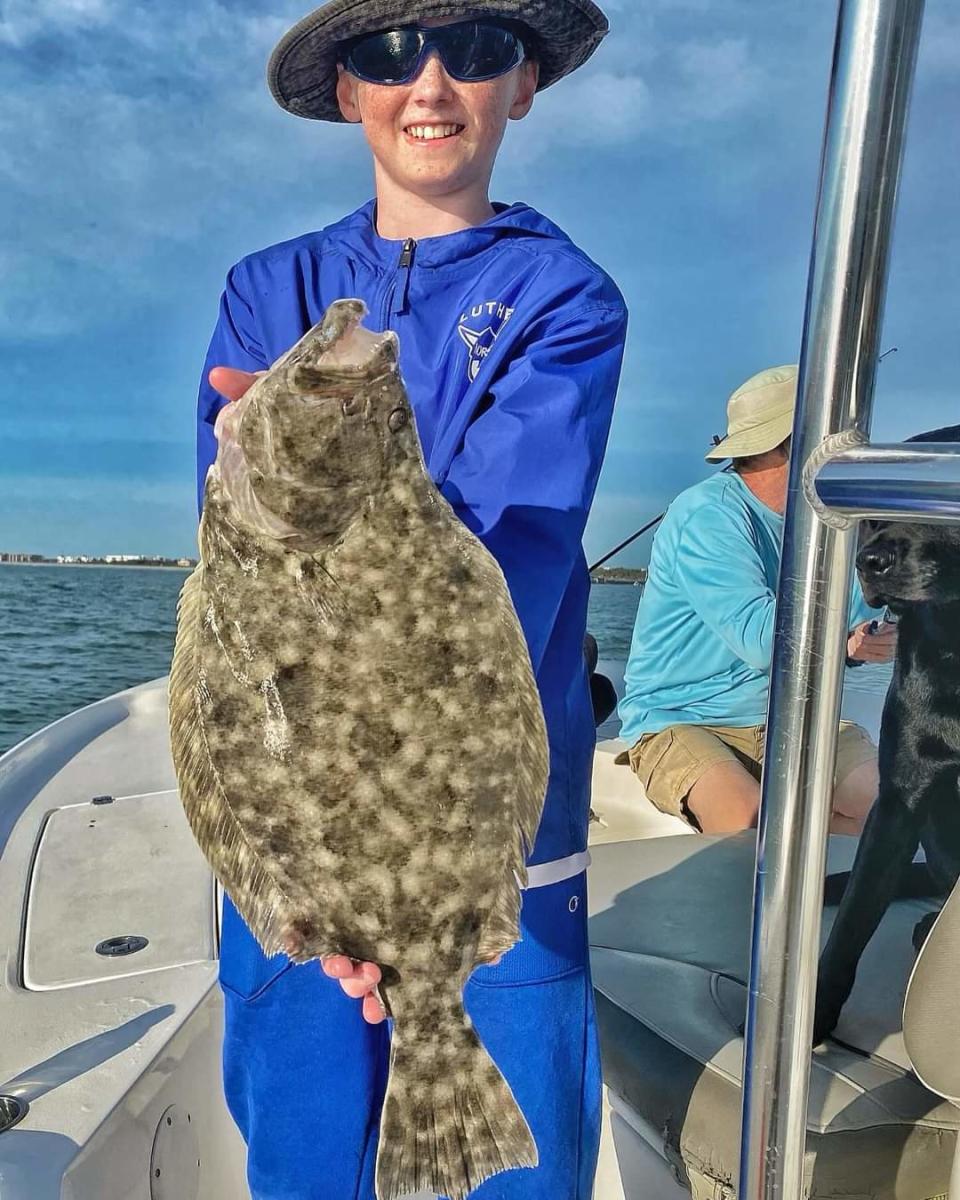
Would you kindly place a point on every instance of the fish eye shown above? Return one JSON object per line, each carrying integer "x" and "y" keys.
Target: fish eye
{"x": 396, "y": 420}
{"x": 351, "y": 406}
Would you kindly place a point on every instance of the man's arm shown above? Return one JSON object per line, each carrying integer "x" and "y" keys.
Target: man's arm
{"x": 722, "y": 575}
{"x": 525, "y": 476}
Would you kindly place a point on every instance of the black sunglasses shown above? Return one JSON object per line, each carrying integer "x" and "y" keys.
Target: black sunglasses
{"x": 471, "y": 51}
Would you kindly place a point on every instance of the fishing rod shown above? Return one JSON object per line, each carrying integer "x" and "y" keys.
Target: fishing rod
{"x": 656, "y": 520}
{"x": 632, "y": 538}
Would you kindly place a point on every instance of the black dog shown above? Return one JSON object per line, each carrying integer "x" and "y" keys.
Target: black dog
{"x": 915, "y": 571}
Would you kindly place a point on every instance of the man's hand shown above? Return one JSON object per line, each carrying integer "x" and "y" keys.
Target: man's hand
{"x": 230, "y": 382}
{"x": 867, "y": 647}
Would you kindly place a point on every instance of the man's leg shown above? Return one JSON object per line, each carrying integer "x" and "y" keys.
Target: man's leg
{"x": 712, "y": 775}
{"x": 702, "y": 774}
{"x": 857, "y": 780}
{"x": 739, "y": 799}
{"x": 725, "y": 799}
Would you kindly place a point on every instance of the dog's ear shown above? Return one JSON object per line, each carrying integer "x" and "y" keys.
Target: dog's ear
{"x": 949, "y": 433}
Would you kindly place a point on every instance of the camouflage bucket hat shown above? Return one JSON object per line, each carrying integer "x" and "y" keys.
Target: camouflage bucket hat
{"x": 302, "y": 71}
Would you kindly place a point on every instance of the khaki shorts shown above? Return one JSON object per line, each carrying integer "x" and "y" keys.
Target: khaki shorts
{"x": 670, "y": 762}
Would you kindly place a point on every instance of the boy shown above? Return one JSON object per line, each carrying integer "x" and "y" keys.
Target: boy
{"x": 511, "y": 341}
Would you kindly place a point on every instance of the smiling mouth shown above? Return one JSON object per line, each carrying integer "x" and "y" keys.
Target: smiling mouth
{"x": 433, "y": 133}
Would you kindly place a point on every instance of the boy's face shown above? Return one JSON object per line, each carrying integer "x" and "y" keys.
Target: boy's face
{"x": 467, "y": 120}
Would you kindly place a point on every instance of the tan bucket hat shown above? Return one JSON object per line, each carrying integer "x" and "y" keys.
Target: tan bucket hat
{"x": 302, "y": 72}
{"x": 759, "y": 414}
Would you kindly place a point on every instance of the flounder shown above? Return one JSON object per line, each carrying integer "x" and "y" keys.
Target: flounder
{"x": 357, "y": 732}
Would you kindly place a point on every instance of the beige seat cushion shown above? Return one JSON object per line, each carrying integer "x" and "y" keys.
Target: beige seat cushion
{"x": 669, "y": 933}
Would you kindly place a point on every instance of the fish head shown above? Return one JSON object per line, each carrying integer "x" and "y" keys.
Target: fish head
{"x": 325, "y": 431}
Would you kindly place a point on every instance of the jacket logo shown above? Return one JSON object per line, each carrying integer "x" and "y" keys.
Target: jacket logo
{"x": 491, "y": 316}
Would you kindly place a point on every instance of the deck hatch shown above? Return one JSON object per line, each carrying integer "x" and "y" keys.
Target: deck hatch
{"x": 103, "y": 872}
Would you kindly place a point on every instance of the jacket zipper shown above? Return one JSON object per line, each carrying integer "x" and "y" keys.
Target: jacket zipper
{"x": 396, "y": 299}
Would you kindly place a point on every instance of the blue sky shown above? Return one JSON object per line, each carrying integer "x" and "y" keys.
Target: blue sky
{"x": 141, "y": 155}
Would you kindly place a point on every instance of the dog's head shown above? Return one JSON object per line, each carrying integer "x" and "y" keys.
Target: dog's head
{"x": 901, "y": 564}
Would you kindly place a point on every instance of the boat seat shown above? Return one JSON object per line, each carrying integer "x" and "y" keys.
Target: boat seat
{"x": 669, "y": 934}
{"x": 931, "y": 1018}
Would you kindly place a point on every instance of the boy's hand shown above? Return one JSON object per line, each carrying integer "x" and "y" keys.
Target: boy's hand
{"x": 878, "y": 646}
{"x": 230, "y": 382}
{"x": 359, "y": 981}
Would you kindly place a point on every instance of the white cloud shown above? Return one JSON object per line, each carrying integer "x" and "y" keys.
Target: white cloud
{"x": 716, "y": 79}
{"x": 596, "y": 109}
{"x": 643, "y": 84}
{"x": 22, "y": 19}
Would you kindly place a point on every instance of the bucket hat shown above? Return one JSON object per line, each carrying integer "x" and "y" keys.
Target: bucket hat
{"x": 759, "y": 414}
{"x": 302, "y": 71}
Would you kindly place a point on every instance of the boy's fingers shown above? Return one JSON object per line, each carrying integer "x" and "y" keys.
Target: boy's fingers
{"x": 373, "y": 1012}
{"x": 356, "y": 979}
{"x": 363, "y": 981}
{"x": 370, "y": 973}
{"x": 338, "y": 966}
{"x": 230, "y": 382}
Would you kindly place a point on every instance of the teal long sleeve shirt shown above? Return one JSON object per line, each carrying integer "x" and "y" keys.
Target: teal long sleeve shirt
{"x": 703, "y": 639}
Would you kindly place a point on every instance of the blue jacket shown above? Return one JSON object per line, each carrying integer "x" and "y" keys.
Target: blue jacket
{"x": 703, "y": 642}
{"x": 511, "y": 342}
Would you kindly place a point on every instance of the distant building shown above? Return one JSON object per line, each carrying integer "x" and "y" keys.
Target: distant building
{"x": 635, "y": 575}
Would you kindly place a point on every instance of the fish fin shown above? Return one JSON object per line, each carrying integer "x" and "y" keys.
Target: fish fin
{"x": 219, "y": 834}
{"x": 501, "y": 928}
{"x": 449, "y": 1118}
{"x": 533, "y": 767}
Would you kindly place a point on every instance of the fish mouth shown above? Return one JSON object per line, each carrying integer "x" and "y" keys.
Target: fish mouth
{"x": 339, "y": 348}
{"x": 353, "y": 347}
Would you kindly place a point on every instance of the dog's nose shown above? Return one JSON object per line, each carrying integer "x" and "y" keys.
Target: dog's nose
{"x": 877, "y": 559}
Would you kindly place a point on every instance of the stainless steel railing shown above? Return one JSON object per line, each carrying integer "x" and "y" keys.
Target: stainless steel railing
{"x": 873, "y": 67}
{"x": 914, "y": 482}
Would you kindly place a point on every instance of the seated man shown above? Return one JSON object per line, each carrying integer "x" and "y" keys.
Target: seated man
{"x": 699, "y": 669}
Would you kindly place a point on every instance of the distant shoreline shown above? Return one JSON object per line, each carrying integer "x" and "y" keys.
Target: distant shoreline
{"x": 637, "y": 576}
{"x": 102, "y": 565}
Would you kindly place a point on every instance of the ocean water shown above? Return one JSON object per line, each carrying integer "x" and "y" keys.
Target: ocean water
{"x": 613, "y": 610}
{"x": 72, "y": 635}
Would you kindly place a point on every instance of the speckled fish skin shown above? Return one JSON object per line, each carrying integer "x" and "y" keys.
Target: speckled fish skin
{"x": 357, "y": 732}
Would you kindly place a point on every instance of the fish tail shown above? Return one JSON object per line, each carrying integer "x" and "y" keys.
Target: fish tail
{"x": 449, "y": 1119}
